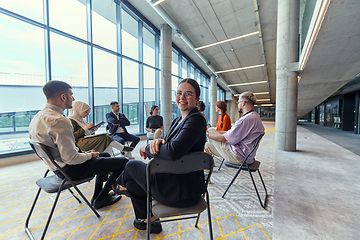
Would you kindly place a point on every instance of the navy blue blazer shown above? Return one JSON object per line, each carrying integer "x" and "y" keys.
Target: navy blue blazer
{"x": 112, "y": 119}
{"x": 189, "y": 135}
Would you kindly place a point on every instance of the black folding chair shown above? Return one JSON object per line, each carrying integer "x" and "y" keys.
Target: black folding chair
{"x": 192, "y": 162}
{"x": 250, "y": 168}
{"x": 53, "y": 184}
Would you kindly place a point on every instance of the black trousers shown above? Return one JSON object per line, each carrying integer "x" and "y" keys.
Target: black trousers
{"x": 134, "y": 179}
{"x": 100, "y": 167}
{"x": 123, "y": 137}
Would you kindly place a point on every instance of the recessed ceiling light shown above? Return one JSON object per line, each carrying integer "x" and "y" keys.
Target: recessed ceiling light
{"x": 242, "y": 84}
{"x": 243, "y": 68}
{"x": 157, "y": 2}
{"x": 227, "y": 40}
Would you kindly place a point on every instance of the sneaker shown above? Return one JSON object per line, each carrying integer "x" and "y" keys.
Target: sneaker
{"x": 128, "y": 155}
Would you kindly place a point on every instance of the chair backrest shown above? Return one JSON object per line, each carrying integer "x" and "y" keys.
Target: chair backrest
{"x": 257, "y": 141}
{"x": 191, "y": 162}
{"x": 43, "y": 153}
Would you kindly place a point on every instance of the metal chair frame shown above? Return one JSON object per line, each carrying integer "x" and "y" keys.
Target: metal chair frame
{"x": 192, "y": 162}
{"x": 250, "y": 168}
{"x": 43, "y": 152}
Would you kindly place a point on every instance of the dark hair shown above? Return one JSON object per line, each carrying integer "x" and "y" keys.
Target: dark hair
{"x": 202, "y": 105}
{"x": 193, "y": 83}
{"x": 54, "y": 88}
{"x": 223, "y": 108}
{"x": 113, "y": 103}
{"x": 152, "y": 109}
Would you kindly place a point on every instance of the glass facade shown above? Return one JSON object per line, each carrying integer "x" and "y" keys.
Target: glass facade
{"x": 102, "y": 49}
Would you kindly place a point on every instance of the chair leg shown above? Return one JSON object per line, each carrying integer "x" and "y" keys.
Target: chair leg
{"x": 263, "y": 204}
{"x": 148, "y": 216}
{"x": 209, "y": 216}
{"x": 52, "y": 210}
{"x": 221, "y": 163}
{"x": 27, "y": 230}
{"x": 86, "y": 201}
{"x": 72, "y": 193}
{"x": 237, "y": 173}
{"x": 197, "y": 220}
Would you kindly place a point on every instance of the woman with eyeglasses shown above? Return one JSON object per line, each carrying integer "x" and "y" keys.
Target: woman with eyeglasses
{"x": 224, "y": 121}
{"x": 186, "y": 134}
{"x": 101, "y": 143}
{"x": 154, "y": 123}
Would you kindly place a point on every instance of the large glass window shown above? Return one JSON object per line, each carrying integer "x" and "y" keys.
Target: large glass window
{"x": 184, "y": 68}
{"x": 131, "y": 94}
{"x": 31, "y": 9}
{"x": 149, "y": 47}
{"x": 68, "y": 16}
{"x": 130, "y": 46}
{"x": 69, "y": 64}
{"x": 104, "y": 23}
{"x": 22, "y": 75}
{"x": 105, "y": 83}
{"x": 174, "y": 64}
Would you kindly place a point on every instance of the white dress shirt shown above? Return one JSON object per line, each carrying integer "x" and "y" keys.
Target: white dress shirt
{"x": 51, "y": 128}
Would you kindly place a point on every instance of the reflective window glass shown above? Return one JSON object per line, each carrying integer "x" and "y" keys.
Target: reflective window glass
{"x": 105, "y": 83}
{"x": 68, "y": 16}
{"x": 22, "y": 75}
{"x": 129, "y": 36}
{"x": 184, "y": 69}
{"x": 69, "y": 64}
{"x": 149, "y": 47}
{"x": 31, "y": 9}
{"x": 174, "y": 64}
{"x": 131, "y": 94}
{"x": 104, "y": 23}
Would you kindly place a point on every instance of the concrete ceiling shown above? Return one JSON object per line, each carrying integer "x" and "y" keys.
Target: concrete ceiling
{"x": 332, "y": 63}
{"x": 334, "y": 59}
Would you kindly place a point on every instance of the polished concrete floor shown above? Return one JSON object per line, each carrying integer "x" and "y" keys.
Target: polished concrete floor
{"x": 313, "y": 194}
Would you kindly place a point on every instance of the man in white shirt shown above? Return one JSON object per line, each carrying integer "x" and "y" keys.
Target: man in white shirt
{"x": 51, "y": 128}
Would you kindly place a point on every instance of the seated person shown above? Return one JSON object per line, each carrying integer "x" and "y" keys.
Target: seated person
{"x": 224, "y": 121}
{"x": 154, "y": 123}
{"x": 102, "y": 143}
{"x": 51, "y": 128}
{"x": 116, "y": 125}
{"x": 201, "y": 108}
{"x": 236, "y": 143}
{"x": 187, "y": 134}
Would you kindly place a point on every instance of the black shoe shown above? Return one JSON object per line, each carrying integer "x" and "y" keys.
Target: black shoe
{"x": 109, "y": 200}
{"x": 93, "y": 199}
{"x": 155, "y": 225}
{"x": 128, "y": 149}
{"x": 116, "y": 189}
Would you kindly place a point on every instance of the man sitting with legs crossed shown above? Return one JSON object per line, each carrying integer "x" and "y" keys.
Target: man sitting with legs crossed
{"x": 234, "y": 144}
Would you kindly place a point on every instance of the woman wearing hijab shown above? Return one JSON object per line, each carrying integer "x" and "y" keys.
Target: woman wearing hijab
{"x": 101, "y": 143}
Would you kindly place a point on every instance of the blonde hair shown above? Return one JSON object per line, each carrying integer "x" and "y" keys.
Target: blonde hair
{"x": 248, "y": 96}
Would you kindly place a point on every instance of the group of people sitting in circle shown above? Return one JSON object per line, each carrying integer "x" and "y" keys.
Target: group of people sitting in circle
{"x": 82, "y": 157}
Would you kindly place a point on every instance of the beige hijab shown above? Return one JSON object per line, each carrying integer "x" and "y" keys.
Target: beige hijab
{"x": 78, "y": 108}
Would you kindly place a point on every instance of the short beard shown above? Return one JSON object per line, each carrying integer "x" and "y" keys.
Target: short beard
{"x": 240, "y": 111}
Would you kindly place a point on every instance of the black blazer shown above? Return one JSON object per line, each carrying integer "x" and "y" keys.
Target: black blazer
{"x": 187, "y": 136}
{"x": 112, "y": 119}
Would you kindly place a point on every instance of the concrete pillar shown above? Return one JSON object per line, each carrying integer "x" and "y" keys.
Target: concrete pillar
{"x": 213, "y": 98}
{"x": 234, "y": 111}
{"x": 166, "y": 99}
{"x": 286, "y": 80}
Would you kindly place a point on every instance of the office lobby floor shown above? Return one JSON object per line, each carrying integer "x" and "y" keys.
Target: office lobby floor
{"x": 313, "y": 194}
